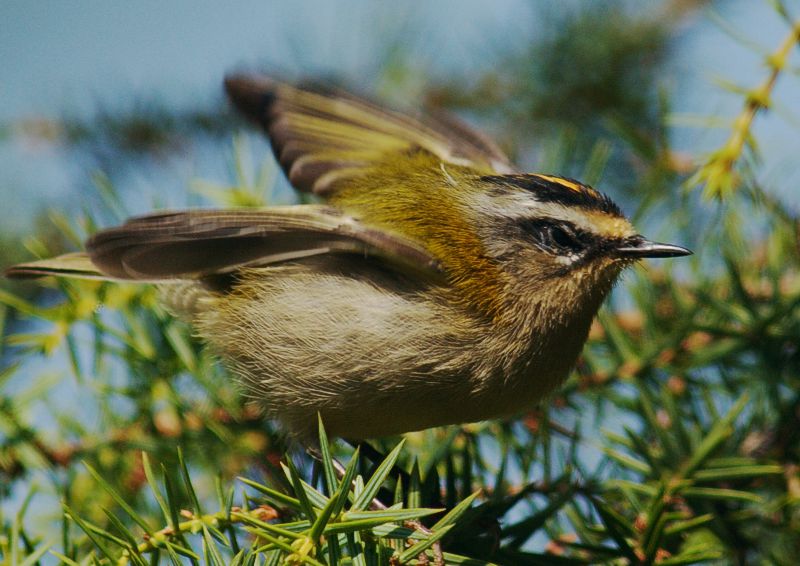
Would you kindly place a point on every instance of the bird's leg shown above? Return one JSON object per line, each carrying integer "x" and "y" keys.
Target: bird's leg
{"x": 377, "y": 505}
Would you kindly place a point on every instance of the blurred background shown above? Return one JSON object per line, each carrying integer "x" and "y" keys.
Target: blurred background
{"x": 114, "y": 109}
{"x": 90, "y": 87}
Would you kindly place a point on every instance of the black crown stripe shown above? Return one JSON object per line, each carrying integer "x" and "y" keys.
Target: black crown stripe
{"x": 568, "y": 193}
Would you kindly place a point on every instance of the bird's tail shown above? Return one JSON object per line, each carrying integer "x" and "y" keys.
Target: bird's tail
{"x": 182, "y": 298}
{"x": 76, "y": 265}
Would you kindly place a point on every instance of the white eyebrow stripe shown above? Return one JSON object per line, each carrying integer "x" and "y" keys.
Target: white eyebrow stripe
{"x": 560, "y": 212}
{"x": 522, "y": 206}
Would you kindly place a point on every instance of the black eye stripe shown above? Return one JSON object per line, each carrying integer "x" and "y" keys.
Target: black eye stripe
{"x": 558, "y": 237}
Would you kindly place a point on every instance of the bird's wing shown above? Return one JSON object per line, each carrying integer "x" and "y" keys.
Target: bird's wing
{"x": 321, "y": 137}
{"x": 199, "y": 243}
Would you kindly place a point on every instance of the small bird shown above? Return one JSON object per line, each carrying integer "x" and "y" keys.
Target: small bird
{"x": 435, "y": 284}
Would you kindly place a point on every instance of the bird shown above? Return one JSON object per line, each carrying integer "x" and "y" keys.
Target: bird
{"x": 431, "y": 282}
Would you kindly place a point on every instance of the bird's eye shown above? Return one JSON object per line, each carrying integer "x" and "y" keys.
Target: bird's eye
{"x": 566, "y": 240}
{"x": 558, "y": 238}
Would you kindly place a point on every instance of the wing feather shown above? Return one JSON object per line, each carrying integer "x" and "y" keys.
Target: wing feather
{"x": 198, "y": 243}
{"x": 322, "y": 136}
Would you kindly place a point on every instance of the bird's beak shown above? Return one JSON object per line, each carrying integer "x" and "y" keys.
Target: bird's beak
{"x": 639, "y": 247}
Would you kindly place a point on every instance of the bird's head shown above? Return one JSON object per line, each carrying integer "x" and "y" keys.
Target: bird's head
{"x": 558, "y": 239}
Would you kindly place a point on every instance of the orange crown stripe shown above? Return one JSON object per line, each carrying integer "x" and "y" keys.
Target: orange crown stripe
{"x": 563, "y": 182}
